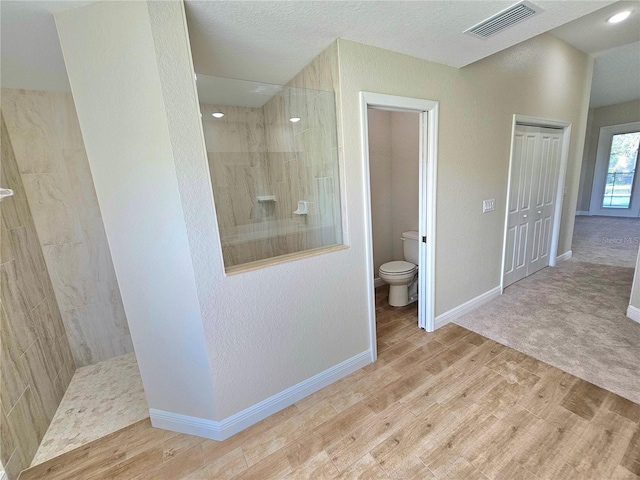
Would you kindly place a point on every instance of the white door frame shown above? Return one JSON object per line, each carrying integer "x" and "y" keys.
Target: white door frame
{"x": 562, "y": 173}
{"x": 600, "y": 171}
{"x": 428, "y": 162}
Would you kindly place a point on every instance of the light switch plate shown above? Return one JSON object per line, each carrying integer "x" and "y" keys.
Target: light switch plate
{"x": 488, "y": 205}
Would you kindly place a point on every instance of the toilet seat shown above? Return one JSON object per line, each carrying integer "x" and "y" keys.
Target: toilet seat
{"x": 398, "y": 267}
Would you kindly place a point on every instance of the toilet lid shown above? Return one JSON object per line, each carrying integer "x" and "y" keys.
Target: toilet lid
{"x": 397, "y": 267}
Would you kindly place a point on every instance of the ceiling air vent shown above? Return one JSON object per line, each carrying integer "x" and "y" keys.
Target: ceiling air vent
{"x": 504, "y": 19}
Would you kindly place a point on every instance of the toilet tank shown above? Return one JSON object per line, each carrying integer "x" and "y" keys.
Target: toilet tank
{"x": 410, "y": 246}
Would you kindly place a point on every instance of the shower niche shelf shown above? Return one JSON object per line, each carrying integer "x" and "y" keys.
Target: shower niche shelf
{"x": 266, "y": 198}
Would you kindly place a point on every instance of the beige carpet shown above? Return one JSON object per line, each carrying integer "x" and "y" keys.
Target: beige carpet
{"x": 606, "y": 240}
{"x": 573, "y": 316}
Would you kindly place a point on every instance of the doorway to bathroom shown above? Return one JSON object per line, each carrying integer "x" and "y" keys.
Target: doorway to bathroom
{"x": 393, "y": 116}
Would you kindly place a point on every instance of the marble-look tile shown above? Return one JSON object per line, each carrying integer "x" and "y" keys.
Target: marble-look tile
{"x": 16, "y": 306}
{"x": 6, "y": 246}
{"x": 82, "y": 193}
{"x": 70, "y": 270}
{"x": 53, "y": 210}
{"x": 7, "y": 438}
{"x": 15, "y": 209}
{"x": 28, "y": 267}
{"x": 39, "y": 367}
{"x": 54, "y": 310}
{"x": 13, "y": 379}
{"x": 48, "y": 334}
{"x": 62, "y": 198}
{"x": 28, "y": 424}
{"x": 101, "y": 399}
{"x": 69, "y": 131}
{"x": 32, "y": 122}
{"x": 92, "y": 339}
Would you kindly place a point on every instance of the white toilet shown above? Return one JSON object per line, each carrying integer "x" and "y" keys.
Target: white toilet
{"x": 400, "y": 275}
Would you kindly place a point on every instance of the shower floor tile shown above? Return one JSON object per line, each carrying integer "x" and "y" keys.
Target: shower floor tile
{"x": 101, "y": 399}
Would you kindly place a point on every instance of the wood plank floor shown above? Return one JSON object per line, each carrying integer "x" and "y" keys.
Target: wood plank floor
{"x": 446, "y": 405}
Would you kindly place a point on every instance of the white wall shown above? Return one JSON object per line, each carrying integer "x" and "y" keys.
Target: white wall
{"x": 265, "y": 330}
{"x": 120, "y": 98}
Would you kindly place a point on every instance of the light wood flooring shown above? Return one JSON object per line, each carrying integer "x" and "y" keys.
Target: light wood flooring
{"x": 450, "y": 404}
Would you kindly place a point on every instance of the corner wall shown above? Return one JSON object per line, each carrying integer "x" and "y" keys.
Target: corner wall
{"x": 50, "y": 154}
{"x": 542, "y": 77}
{"x": 394, "y": 140}
{"x": 36, "y": 361}
{"x": 617, "y": 114}
{"x": 126, "y": 103}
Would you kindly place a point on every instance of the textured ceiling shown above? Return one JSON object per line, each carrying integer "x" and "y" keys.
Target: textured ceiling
{"x": 271, "y": 41}
{"x": 616, "y": 76}
{"x": 592, "y": 34}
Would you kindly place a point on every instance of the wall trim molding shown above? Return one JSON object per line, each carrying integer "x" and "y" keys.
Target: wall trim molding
{"x": 582, "y": 212}
{"x": 378, "y": 282}
{"x": 633, "y": 313}
{"x": 221, "y": 430}
{"x": 565, "y": 256}
{"x": 457, "y": 312}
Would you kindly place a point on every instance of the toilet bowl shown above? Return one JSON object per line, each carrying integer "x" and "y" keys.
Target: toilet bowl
{"x": 401, "y": 274}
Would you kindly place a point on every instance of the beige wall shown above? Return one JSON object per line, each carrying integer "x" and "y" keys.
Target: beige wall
{"x": 380, "y": 178}
{"x": 542, "y": 77}
{"x": 393, "y": 170}
{"x": 405, "y": 145}
{"x": 634, "y": 301}
{"x": 36, "y": 360}
{"x": 269, "y": 329}
{"x": 617, "y": 114}
{"x": 50, "y": 153}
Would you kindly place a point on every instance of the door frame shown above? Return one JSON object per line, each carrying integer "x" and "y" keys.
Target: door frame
{"x": 562, "y": 173}
{"x": 428, "y": 161}
{"x": 600, "y": 170}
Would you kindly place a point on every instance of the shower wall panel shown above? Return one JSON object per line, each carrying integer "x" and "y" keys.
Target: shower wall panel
{"x": 256, "y": 152}
{"x": 304, "y": 155}
{"x": 36, "y": 363}
{"x": 51, "y": 158}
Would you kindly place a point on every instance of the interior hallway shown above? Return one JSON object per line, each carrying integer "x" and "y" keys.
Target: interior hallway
{"x": 449, "y": 404}
{"x": 573, "y": 316}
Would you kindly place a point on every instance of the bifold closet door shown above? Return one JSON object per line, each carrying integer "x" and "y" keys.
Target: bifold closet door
{"x": 534, "y": 184}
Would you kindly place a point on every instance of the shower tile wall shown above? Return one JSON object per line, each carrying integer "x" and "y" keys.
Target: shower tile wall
{"x": 257, "y": 151}
{"x": 51, "y": 158}
{"x": 37, "y": 364}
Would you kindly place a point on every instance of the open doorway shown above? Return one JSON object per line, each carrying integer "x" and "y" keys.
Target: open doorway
{"x": 419, "y": 116}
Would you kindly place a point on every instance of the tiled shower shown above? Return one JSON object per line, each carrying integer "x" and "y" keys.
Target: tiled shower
{"x": 60, "y": 301}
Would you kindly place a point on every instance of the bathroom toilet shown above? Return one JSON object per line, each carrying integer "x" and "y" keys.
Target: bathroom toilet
{"x": 401, "y": 275}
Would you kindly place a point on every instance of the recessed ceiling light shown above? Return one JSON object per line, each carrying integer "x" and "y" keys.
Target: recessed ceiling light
{"x": 620, "y": 17}
{"x": 218, "y": 114}
{"x": 294, "y": 119}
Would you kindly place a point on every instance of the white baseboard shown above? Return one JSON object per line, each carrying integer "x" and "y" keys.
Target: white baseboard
{"x": 378, "y": 282}
{"x": 633, "y": 313}
{"x": 582, "y": 212}
{"x": 451, "y": 315}
{"x": 564, "y": 256}
{"x": 221, "y": 430}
